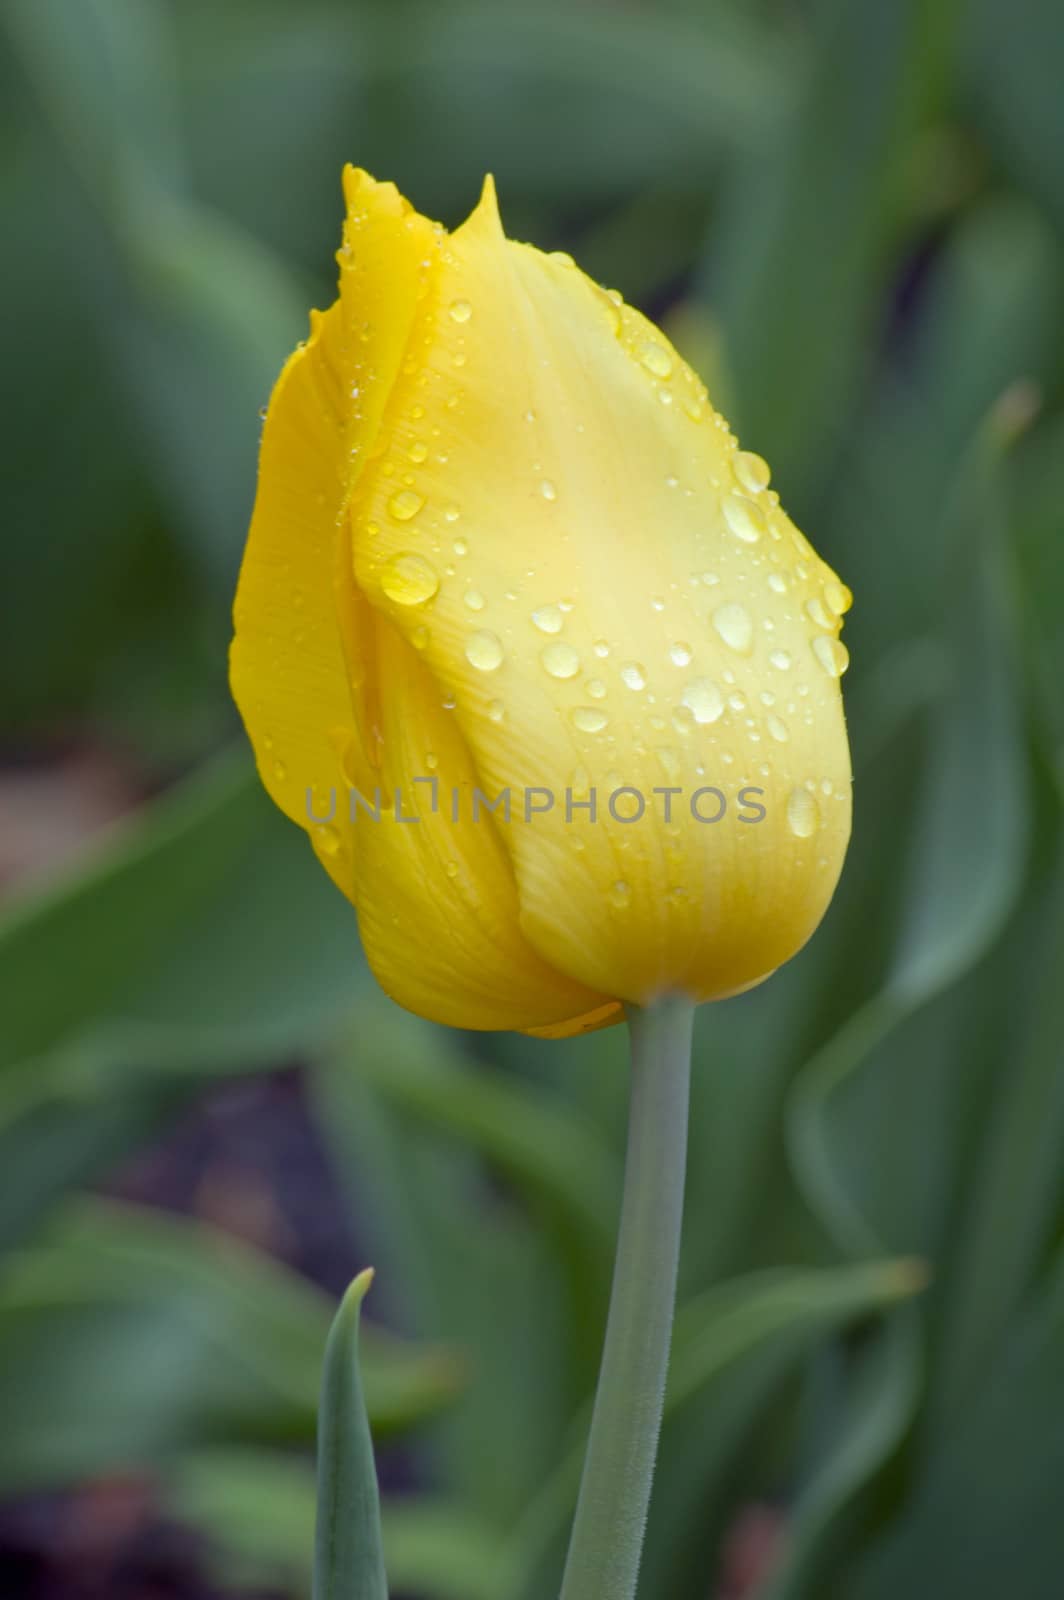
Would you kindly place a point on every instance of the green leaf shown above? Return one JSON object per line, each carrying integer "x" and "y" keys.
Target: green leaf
{"x": 810, "y": 223}
{"x": 769, "y": 1320}
{"x": 255, "y": 1510}
{"x": 201, "y": 939}
{"x": 348, "y": 1554}
{"x": 127, "y": 1335}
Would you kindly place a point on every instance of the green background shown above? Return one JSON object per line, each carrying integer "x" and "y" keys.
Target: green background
{"x": 850, "y": 216}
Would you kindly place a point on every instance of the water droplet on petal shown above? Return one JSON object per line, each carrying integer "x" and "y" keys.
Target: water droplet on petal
{"x": 548, "y": 619}
{"x": 547, "y": 490}
{"x": 838, "y": 597}
{"x": 778, "y": 729}
{"x": 461, "y": 310}
{"x": 751, "y": 471}
{"x": 633, "y": 676}
{"x": 601, "y": 648}
{"x": 474, "y": 599}
{"x": 656, "y": 358}
{"x": 803, "y": 814}
{"x": 620, "y": 894}
{"x": 561, "y": 660}
{"x": 745, "y": 520}
{"x": 496, "y": 710}
{"x": 703, "y": 699}
{"x": 777, "y": 582}
{"x": 327, "y": 838}
{"x": 409, "y": 580}
{"x": 595, "y": 688}
{"x": 780, "y": 660}
{"x": 816, "y": 611}
{"x": 484, "y": 650}
{"x": 405, "y": 504}
{"x": 418, "y": 450}
{"x": 832, "y": 655}
{"x": 451, "y": 513}
{"x": 589, "y": 719}
{"x": 733, "y": 624}
{"x": 680, "y": 654}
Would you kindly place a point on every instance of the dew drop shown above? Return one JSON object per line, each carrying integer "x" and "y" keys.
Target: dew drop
{"x": 751, "y": 471}
{"x": 601, "y": 649}
{"x": 451, "y": 513}
{"x": 596, "y": 688}
{"x": 561, "y": 660}
{"x": 745, "y": 520}
{"x": 484, "y": 650}
{"x": 680, "y": 654}
{"x": 418, "y": 451}
{"x": 838, "y": 597}
{"x": 778, "y": 729}
{"x": 620, "y": 894}
{"x": 460, "y": 547}
{"x": 803, "y": 814}
{"x": 547, "y": 490}
{"x": 474, "y": 599}
{"x": 780, "y": 660}
{"x": 683, "y": 719}
{"x": 496, "y": 710}
{"x": 703, "y": 699}
{"x": 409, "y": 580}
{"x": 832, "y": 654}
{"x": 280, "y": 771}
{"x": 733, "y": 624}
{"x": 548, "y": 619}
{"x": 589, "y": 719}
{"x": 328, "y": 839}
{"x": 656, "y": 358}
{"x": 777, "y": 582}
{"x": 451, "y": 869}
{"x": 461, "y": 310}
{"x": 815, "y": 610}
{"x": 633, "y": 676}
{"x": 405, "y": 504}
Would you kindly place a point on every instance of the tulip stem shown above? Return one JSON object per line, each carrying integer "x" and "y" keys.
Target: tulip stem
{"x": 611, "y": 1512}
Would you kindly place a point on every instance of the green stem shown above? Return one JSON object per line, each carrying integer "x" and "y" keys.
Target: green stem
{"x": 611, "y": 1513}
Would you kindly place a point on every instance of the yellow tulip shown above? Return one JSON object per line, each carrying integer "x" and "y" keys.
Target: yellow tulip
{"x": 504, "y": 545}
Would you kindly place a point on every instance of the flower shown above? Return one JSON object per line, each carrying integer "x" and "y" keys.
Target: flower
{"x": 504, "y": 545}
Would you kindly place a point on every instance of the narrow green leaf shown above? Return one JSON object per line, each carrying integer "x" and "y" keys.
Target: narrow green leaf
{"x": 348, "y": 1550}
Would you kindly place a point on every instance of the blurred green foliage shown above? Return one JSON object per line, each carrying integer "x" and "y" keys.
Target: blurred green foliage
{"x": 854, "y": 212}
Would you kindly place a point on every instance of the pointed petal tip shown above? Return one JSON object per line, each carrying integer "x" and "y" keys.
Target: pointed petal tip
{"x": 485, "y": 214}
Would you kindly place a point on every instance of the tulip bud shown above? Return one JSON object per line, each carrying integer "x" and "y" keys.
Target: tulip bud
{"x": 528, "y": 646}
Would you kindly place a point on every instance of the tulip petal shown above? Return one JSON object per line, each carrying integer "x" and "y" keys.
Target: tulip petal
{"x": 615, "y": 600}
{"x": 438, "y": 910}
{"x": 336, "y": 701}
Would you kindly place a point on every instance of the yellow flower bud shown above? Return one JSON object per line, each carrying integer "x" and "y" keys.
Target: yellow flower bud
{"x": 506, "y": 554}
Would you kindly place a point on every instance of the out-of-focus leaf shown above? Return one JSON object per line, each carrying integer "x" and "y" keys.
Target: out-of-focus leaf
{"x": 984, "y": 1521}
{"x": 127, "y": 1335}
{"x": 887, "y": 516}
{"x": 879, "y": 1401}
{"x": 513, "y": 87}
{"x": 465, "y": 1261}
{"x": 348, "y": 1553}
{"x": 778, "y": 1314}
{"x": 1016, "y": 1184}
{"x": 256, "y": 1512}
{"x": 203, "y": 940}
{"x": 810, "y": 222}
{"x": 967, "y": 857}
{"x": 1015, "y": 89}
{"x": 201, "y": 316}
